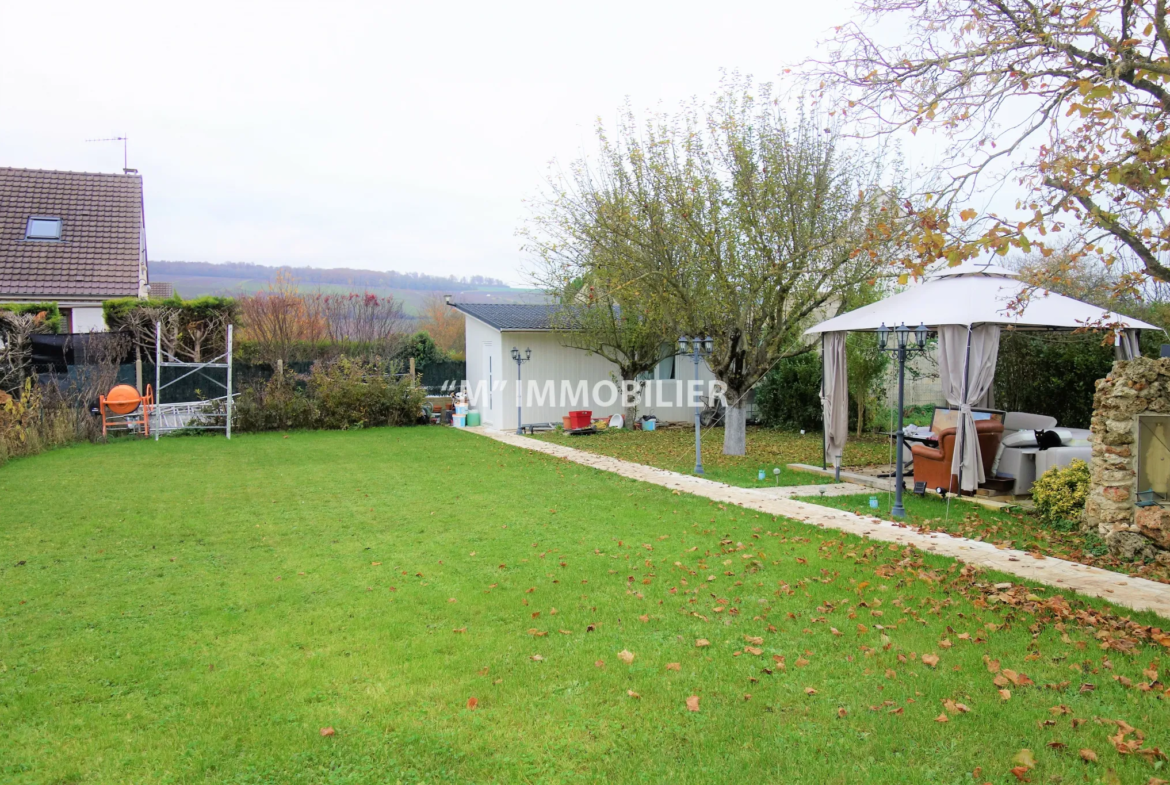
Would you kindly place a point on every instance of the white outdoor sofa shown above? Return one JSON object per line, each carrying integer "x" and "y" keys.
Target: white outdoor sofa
{"x": 1021, "y": 460}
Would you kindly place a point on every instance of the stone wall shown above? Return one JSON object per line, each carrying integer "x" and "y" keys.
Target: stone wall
{"x": 1133, "y": 387}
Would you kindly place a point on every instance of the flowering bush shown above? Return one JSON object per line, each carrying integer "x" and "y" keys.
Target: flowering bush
{"x": 1060, "y": 494}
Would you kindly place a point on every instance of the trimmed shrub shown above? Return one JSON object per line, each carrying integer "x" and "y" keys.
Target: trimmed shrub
{"x": 1060, "y": 494}
{"x": 338, "y": 395}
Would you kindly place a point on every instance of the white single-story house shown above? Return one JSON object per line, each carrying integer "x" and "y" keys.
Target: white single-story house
{"x": 73, "y": 238}
{"x": 558, "y": 378}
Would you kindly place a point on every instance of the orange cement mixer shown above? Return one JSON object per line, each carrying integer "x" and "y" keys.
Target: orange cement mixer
{"x": 123, "y": 408}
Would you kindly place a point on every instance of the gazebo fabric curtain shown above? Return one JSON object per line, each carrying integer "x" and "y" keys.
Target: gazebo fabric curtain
{"x": 966, "y": 367}
{"x": 835, "y": 395}
{"x": 1127, "y": 345}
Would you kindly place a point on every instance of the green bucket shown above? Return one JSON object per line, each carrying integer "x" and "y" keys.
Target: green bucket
{"x": 472, "y": 419}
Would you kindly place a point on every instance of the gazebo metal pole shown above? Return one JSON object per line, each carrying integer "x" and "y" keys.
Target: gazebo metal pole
{"x": 962, "y": 401}
{"x": 824, "y": 420}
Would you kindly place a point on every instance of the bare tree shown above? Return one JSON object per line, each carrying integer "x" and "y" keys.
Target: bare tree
{"x": 367, "y": 319}
{"x": 280, "y": 317}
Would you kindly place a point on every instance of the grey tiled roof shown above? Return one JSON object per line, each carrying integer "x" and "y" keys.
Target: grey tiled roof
{"x": 101, "y": 231}
{"x": 514, "y": 316}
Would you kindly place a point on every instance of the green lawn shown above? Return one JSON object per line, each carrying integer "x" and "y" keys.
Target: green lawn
{"x": 1012, "y": 528}
{"x": 197, "y": 610}
{"x": 767, "y": 449}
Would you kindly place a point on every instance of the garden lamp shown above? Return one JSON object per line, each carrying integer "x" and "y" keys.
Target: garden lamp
{"x": 520, "y": 360}
{"x": 902, "y": 347}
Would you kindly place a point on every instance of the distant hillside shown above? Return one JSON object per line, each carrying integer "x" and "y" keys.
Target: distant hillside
{"x": 194, "y": 279}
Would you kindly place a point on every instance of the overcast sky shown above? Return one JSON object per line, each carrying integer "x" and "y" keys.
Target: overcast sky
{"x": 388, "y": 136}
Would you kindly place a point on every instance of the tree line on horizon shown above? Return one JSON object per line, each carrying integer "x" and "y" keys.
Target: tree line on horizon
{"x": 341, "y": 276}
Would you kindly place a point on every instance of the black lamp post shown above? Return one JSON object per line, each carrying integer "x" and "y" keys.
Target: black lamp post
{"x": 901, "y": 349}
{"x": 696, "y": 347}
{"x": 520, "y": 360}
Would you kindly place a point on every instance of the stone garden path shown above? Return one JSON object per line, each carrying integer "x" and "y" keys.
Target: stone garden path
{"x": 1136, "y": 593}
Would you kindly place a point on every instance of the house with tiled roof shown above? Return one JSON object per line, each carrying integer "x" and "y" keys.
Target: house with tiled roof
{"x": 74, "y": 238}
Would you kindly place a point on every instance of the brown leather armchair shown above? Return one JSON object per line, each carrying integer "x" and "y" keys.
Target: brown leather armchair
{"x": 933, "y": 464}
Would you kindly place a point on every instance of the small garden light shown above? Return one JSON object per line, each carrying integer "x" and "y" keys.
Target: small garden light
{"x": 776, "y": 472}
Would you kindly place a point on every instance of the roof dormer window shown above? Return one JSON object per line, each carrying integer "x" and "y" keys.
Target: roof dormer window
{"x": 42, "y": 227}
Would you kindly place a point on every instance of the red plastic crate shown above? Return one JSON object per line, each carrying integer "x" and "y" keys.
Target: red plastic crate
{"x": 580, "y": 419}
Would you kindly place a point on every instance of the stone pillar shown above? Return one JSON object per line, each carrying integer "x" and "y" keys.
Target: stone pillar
{"x": 1133, "y": 387}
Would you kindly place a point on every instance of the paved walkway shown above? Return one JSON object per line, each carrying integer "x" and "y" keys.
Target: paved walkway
{"x": 1136, "y": 593}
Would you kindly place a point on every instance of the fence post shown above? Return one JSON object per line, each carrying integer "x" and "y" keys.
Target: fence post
{"x": 412, "y": 368}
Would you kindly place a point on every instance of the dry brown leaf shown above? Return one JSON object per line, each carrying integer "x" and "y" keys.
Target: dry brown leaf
{"x": 537, "y": 658}
{"x": 942, "y": 718}
{"x": 633, "y": 694}
{"x": 753, "y": 650}
{"x": 841, "y": 712}
{"x": 626, "y": 656}
{"x": 930, "y": 659}
{"x": 327, "y": 731}
{"x": 1005, "y": 694}
{"x": 800, "y": 662}
{"x": 754, "y": 640}
{"x": 600, "y": 663}
{"x": 673, "y": 666}
{"x": 701, "y": 642}
{"x": 1088, "y": 756}
{"x": 693, "y": 703}
{"x": 809, "y": 691}
{"x": 472, "y": 703}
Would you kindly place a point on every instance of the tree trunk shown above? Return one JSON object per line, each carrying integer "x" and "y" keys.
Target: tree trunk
{"x": 860, "y": 415}
{"x": 735, "y": 427}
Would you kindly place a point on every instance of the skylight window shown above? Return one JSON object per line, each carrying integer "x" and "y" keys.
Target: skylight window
{"x": 43, "y": 228}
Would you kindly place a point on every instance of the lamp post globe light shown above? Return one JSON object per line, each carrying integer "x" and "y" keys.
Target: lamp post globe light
{"x": 520, "y": 360}
{"x": 697, "y": 347}
{"x": 901, "y": 348}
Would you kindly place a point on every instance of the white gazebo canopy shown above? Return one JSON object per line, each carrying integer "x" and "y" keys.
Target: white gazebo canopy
{"x": 976, "y": 293}
{"x": 967, "y": 305}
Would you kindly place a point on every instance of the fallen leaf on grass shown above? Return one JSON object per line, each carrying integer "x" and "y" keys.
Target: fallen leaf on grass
{"x": 930, "y": 659}
{"x": 537, "y": 658}
{"x": 942, "y": 718}
{"x": 1025, "y": 758}
{"x": 459, "y": 629}
{"x": 809, "y": 691}
{"x": 472, "y": 703}
{"x": 600, "y": 663}
{"x": 1005, "y": 694}
{"x": 626, "y": 656}
{"x": 841, "y": 712}
{"x": 693, "y": 703}
{"x": 701, "y": 642}
{"x": 1021, "y": 773}
{"x": 633, "y": 694}
{"x": 755, "y": 641}
{"x": 673, "y": 666}
{"x": 800, "y": 662}
{"x": 328, "y": 732}
{"x": 753, "y": 650}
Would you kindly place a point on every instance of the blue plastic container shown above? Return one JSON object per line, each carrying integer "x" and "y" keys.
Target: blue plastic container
{"x": 648, "y": 425}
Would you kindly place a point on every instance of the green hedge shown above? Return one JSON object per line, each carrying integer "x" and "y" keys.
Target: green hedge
{"x": 54, "y": 321}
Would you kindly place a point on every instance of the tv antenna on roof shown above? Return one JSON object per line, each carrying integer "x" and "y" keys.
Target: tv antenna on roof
{"x": 125, "y": 140}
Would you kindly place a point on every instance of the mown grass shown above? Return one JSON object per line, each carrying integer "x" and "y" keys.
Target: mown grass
{"x": 1012, "y": 528}
{"x": 197, "y": 610}
{"x": 767, "y": 449}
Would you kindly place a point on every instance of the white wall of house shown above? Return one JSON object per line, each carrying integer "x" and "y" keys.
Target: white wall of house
{"x": 87, "y": 320}
{"x": 483, "y": 370}
{"x": 561, "y": 365}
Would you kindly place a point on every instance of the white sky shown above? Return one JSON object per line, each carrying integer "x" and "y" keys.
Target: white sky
{"x": 376, "y": 135}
